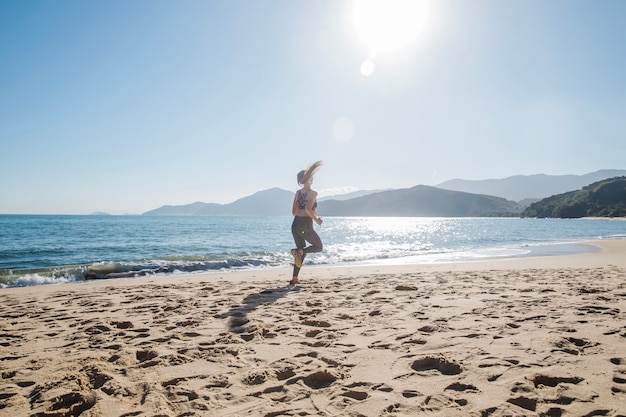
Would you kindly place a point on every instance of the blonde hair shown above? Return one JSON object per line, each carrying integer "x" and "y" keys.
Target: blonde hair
{"x": 305, "y": 175}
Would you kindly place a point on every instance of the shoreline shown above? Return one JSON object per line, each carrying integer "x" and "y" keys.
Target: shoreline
{"x": 539, "y": 250}
{"x": 532, "y": 336}
{"x": 603, "y": 252}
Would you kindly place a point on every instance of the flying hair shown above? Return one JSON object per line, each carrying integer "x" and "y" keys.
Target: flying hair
{"x": 305, "y": 175}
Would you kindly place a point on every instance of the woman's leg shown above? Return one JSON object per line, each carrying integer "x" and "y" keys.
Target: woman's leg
{"x": 313, "y": 238}
{"x": 302, "y": 230}
{"x": 298, "y": 237}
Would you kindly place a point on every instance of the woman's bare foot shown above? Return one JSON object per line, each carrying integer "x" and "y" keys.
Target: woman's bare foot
{"x": 294, "y": 281}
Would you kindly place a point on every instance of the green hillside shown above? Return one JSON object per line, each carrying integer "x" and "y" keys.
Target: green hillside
{"x": 605, "y": 198}
{"x": 421, "y": 201}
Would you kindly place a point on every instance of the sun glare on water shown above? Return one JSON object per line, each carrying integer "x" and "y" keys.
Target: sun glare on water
{"x": 387, "y": 26}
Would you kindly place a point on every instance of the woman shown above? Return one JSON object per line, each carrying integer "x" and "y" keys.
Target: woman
{"x": 303, "y": 209}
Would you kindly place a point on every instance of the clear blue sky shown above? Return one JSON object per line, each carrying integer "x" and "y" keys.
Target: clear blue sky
{"x": 123, "y": 106}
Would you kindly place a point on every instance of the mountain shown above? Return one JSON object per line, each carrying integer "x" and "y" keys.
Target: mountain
{"x": 417, "y": 201}
{"x": 522, "y": 187}
{"x": 193, "y": 209}
{"x": 351, "y": 195}
{"x": 605, "y": 198}
{"x": 272, "y": 202}
{"x": 421, "y": 201}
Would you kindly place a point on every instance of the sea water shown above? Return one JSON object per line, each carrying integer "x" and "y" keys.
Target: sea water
{"x": 56, "y": 249}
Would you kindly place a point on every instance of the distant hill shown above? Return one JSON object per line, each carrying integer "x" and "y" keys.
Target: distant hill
{"x": 421, "y": 201}
{"x": 351, "y": 195}
{"x": 605, "y": 198}
{"x": 522, "y": 187}
{"x": 417, "y": 201}
{"x": 272, "y": 202}
{"x": 192, "y": 209}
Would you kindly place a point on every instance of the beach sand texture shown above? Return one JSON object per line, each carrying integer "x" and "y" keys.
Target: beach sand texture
{"x": 533, "y": 337}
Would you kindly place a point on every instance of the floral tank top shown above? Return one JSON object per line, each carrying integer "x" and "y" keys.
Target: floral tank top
{"x": 301, "y": 200}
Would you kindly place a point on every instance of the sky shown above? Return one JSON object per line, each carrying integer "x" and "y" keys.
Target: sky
{"x": 124, "y": 106}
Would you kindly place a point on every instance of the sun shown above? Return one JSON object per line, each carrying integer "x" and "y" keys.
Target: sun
{"x": 389, "y": 25}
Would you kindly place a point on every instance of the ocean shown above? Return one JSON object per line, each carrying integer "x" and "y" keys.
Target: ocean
{"x": 42, "y": 249}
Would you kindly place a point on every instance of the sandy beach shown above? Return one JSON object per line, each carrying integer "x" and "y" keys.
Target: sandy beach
{"x": 526, "y": 337}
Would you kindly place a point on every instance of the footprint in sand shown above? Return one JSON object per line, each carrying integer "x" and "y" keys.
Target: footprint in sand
{"x": 316, "y": 380}
{"x": 524, "y": 402}
{"x": 69, "y": 394}
{"x": 316, "y": 323}
{"x": 553, "y": 381}
{"x": 355, "y": 395}
{"x": 573, "y": 345}
{"x": 409, "y": 393}
{"x": 69, "y": 404}
{"x": 440, "y": 364}
{"x": 619, "y": 377}
{"x": 320, "y": 379}
{"x": 459, "y": 387}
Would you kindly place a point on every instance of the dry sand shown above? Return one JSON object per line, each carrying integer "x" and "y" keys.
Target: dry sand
{"x": 531, "y": 337}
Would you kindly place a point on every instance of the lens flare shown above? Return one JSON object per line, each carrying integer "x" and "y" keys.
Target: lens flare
{"x": 367, "y": 68}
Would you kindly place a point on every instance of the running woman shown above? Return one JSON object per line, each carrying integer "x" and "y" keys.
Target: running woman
{"x": 303, "y": 209}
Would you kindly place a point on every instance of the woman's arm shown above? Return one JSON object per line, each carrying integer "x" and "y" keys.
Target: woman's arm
{"x": 294, "y": 206}
{"x": 312, "y": 196}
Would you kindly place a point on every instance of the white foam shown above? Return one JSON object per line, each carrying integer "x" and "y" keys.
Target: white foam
{"x": 36, "y": 279}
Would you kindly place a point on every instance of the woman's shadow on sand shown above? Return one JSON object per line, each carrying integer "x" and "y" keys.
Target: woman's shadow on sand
{"x": 238, "y": 321}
